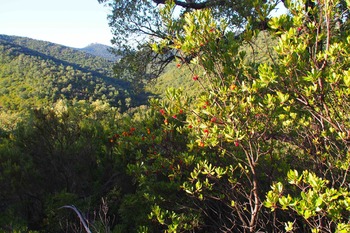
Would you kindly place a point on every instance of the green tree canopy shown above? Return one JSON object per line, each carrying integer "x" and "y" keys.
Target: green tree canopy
{"x": 136, "y": 24}
{"x": 130, "y": 20}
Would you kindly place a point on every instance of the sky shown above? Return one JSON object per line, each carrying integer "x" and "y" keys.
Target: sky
{"x": 74, "y": 23}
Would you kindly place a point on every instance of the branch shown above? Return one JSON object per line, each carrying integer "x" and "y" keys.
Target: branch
{"x": 190, "y": 4}
{"x": 80, "y": 216}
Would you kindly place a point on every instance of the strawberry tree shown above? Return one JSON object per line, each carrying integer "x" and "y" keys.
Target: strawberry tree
{"x": 152, "y": 144}
{"x": 254, "y": 121}
{"x": 313, "y": 65}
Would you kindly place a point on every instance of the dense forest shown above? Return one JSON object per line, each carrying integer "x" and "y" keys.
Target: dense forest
{"x": 35, "y": 73}
{"x": 223, "y": 118}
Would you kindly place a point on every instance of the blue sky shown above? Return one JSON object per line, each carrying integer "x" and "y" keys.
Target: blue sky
{"x": 74, "y": 23}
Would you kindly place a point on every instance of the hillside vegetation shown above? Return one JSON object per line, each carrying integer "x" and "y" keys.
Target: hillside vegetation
{"x": 35, "y": 73}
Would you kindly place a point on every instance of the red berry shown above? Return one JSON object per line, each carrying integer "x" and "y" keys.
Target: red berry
{"x": 162, "y": 111}
{"x": 195, "y": 77}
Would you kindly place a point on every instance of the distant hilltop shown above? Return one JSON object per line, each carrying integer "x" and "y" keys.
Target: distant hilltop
{"x": 100, "y": 50}
{"x": 96, "y": 49}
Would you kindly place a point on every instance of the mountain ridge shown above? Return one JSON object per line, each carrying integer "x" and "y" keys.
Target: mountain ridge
{"x": 100, "y": 50}
{"x": 61, "y": 52}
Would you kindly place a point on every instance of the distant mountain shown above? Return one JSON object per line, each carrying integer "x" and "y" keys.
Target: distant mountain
{"x": 100, "y": 50}
{"x": 35, "y": 73}
{"x": 63, "y": 53}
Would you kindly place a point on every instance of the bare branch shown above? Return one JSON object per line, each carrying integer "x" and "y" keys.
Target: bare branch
{"x": 190, "y": 4}
{"x": 80, "y": 216}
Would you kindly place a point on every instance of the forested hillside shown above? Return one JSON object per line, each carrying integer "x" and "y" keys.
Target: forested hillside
{"x": 62, "y": 53}
{"x": 35, "y": 72}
